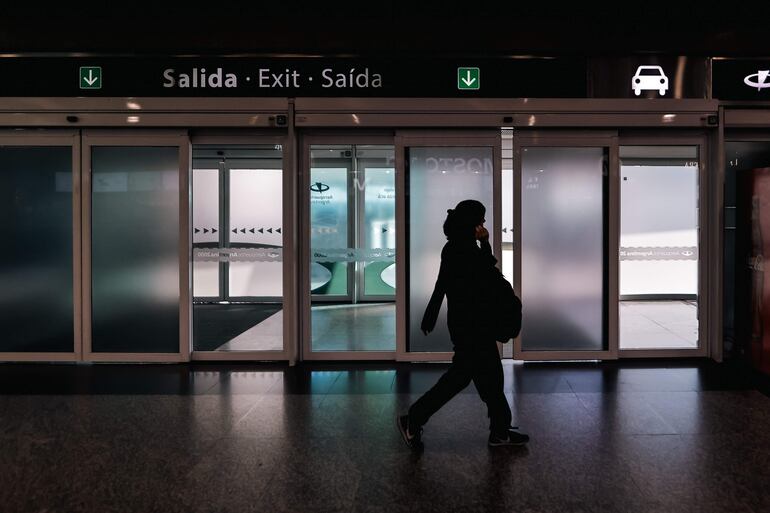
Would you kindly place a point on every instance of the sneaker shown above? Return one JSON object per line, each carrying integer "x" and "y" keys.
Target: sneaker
{"x": 412, "y": 440}
{"x": 512, "y": 438}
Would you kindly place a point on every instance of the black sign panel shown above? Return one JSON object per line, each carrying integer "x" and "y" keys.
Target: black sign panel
{"x": 741, "y": 79}
{"x": 292, "y": 77}
{"x": 649, "y": 76}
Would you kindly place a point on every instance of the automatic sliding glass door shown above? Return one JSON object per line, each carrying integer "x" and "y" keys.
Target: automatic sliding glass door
{"x": 562, "y": 246}
{"x": 351, "y": 205}
{"x": 40, "y": 230}
{"x": 135, "y": 289}
{"x": 442, "y": 169}
{"x": 659, "y": 249}
{"x": 238, "y": 248}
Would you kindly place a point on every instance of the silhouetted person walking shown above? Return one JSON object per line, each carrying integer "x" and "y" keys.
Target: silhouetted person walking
{"x": 467, "y": 277}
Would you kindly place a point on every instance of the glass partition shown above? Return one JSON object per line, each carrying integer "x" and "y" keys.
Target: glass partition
{"x": 36, "y": 292}
{"x": 439, "y": 178}
{"x": 135, "y": 249}
{"x": 563, "y": 240}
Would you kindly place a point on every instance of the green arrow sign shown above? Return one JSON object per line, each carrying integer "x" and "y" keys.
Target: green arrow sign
{"x": 90, "y": 77}
{"x": 468, "y": 79}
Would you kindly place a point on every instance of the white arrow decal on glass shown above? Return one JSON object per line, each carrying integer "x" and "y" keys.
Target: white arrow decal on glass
{"x": 467, "y": 78}
{"x": 91, "y": 78}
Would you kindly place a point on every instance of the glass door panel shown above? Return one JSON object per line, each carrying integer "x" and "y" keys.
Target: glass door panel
{"x": 351, "y": 266}
{"x": 206, "y": 231}
{"x": 36, "y": 229}
{"x": 378, "y": 231}
{"x": 239, "y": 190}
{"x": 659, "y": 247}
{"x": 564, "y": 236}
{"x": 135, "y": 255}
{"x": 437, "y": 179}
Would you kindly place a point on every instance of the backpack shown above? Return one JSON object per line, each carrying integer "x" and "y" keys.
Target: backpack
{"x": 507, "y": 314}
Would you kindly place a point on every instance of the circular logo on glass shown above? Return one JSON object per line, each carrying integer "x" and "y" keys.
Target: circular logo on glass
{"x": 319, "y": 187}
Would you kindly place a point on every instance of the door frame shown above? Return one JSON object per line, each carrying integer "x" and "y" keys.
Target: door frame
{"x": 330, "y": 137}
{"x": 701, "y": 141}
{"x": 261, "y": 137}
{"x": 573, "y": 138}
{"x": 406, "y": 138}
{"x": 139, "y": 138}
{"x": 57, "y": 137}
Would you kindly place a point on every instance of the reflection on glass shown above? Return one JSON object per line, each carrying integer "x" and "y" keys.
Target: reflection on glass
{"x": 135, "y": 249}
{"x": 36, "y": 308}
{"x": 353, "y": 242}
{"x": 659, "y": 247}
{"x": 439, "y": 178}
{"x": 746, "y": 290}
{"x": 238, "y": 190}
{"x": 562, "y": 249}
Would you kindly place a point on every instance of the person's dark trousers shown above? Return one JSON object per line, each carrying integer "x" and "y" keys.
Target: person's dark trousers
{"x": 482, "y": 366}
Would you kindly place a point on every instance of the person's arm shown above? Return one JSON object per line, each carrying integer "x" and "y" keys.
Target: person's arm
{"x": 430, "y": 316}
{"x": 486, "y": 247}
{"x": 486, "y": 250}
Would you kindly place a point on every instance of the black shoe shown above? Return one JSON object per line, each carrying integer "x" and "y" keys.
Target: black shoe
{"x": 412, "y": 440}
{"x": 512, "y": 438}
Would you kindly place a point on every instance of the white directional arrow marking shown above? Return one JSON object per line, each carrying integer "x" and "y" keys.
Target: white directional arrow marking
{"x": 467, "y": 78}
{"x": 91, "y": 78}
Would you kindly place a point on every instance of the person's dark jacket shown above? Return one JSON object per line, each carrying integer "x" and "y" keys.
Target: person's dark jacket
{"x": 467, "y": 277}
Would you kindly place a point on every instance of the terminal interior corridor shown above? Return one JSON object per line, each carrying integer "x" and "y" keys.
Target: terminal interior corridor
{"x": 630, "y": 437}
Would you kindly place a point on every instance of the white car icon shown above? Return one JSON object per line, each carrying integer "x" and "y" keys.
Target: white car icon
{"x": 649, "y": 78}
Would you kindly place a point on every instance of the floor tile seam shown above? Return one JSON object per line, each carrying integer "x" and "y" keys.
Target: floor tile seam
{"x": 645, "y": 397}
{"x": 260, "y": 399}
{"x": 327, "y": 392}
{"x": 276, "y": 381}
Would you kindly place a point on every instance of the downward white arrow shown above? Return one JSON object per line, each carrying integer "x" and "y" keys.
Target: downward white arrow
{"x": 91, "y": 78}
{"x": 467, "y": 78}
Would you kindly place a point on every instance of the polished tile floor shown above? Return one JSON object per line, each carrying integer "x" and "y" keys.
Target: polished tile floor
{"x": 628, "y": 437}
{"x": 360, "y": 327}
{"x": 658, "y": 325}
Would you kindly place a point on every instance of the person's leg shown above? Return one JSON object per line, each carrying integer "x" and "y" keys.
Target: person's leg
{"x": 489, "y": 382}
{"x": 456, "y": 378}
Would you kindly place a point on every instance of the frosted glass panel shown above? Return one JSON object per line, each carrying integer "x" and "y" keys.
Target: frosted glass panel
{"x": 379, "y": 228}
{"x": 135, "y": 249}
{"x": 439, "y": 178}
{"x": 256, "y": 203}
{"x": 36, "y": 258}
{"x": 562, "y": 253}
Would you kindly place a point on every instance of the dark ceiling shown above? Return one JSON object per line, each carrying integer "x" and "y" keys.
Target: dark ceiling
{"x": 470, "y": 27}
